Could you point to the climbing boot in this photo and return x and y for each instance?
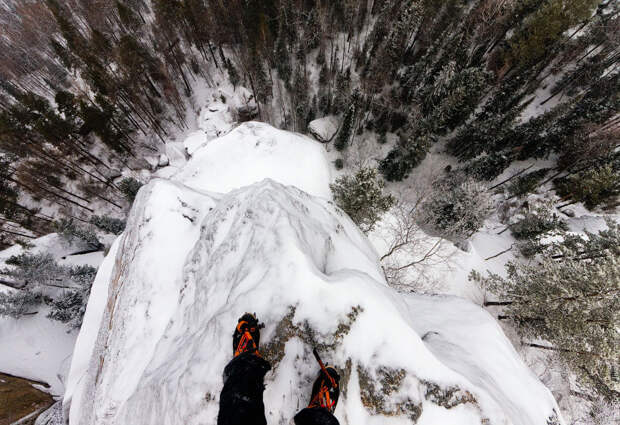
(247, 335)
(325, 391)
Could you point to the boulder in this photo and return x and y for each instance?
(324, 129)
(164, 161)
(247, 112)
(216, 119)
(245, 226)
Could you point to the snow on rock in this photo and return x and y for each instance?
(194, 141)
(175, 151)
(254, 151)
(163, 160)
(157, 331)
(52, 243)
(323, 129)
(141, 163)
(216, 119)
(52, 416)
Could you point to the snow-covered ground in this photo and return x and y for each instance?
(250, 227)
(37, 348)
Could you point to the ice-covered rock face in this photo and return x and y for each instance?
(157, 332)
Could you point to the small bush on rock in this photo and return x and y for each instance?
(130, 186)
(361, 197)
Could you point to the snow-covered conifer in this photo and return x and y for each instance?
(361, 197)
(108, 224)
(570, 298)
(19, 303)
(455, 209)
(71, 232)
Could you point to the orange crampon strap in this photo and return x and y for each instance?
(246, 338)
(322, 399)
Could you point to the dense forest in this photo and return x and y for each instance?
(84, 83)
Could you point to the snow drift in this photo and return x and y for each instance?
(157, 332)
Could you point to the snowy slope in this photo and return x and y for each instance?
(37, 348)
(203, 248)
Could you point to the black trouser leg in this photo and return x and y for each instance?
(315, 416)
(241, 400)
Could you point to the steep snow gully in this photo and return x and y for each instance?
(203, 247)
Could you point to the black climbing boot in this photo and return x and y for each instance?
(247, 335)
(326, 390)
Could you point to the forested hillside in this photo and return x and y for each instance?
(86, 84)
(516, 101)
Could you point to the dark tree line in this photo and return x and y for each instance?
(80, 75)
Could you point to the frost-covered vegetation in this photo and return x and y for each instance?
(107, 224)
(72, 232)
(492, 89)
(456, 208)
(570, 298)
(129, 187)
(38, 279)
(361, 197)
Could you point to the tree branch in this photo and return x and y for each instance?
(564, 350)
(500, 253)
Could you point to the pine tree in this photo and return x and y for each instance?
(593, 186)
(283, 61)
(537, 222)
(344, 135)
(413, 145)
(233, 75)
(71, 232)
(128, 17)
(546, 26)
(570, 297)
(525, 184)
(19, 303)
(36, 272)
(455, 209)
(361, 197)
(129, 187)
(301, 103)
(488, 167)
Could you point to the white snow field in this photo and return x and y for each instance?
(247, 225)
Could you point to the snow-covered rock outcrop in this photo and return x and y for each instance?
(323, 129)
(195, 256)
